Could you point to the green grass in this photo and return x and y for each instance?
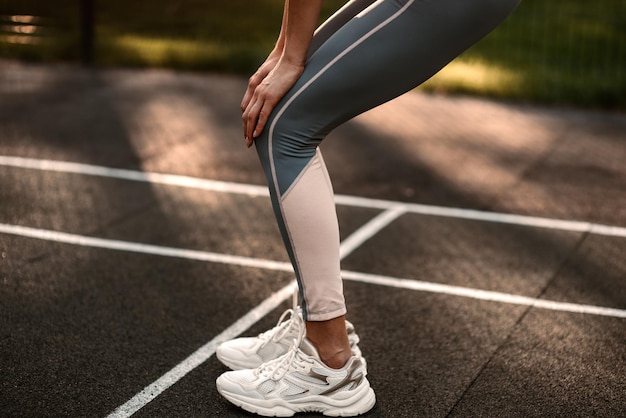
(567, 51)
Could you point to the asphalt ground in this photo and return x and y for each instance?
(484, 249)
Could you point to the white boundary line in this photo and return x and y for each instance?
(488, 295)
(391, 211)
(153, 390)
(201, 355)
(370, 229)
(283, 266)
(132, 175)
(135, 247)
(252, 190)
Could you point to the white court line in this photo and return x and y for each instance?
(160, 385)
(481, 294)
(205, 352)
(252, 190)
(282, 266)
(370, 229)
(153, 390)
(135, 247)
(132, 175)
(392, 210)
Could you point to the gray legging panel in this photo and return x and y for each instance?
(366, 54)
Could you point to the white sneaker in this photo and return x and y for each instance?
(300, 382)
(251, 352)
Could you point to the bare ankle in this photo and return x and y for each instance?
(336, 360)
(330, 339)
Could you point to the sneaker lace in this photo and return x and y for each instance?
(276, 369)
(284, 326)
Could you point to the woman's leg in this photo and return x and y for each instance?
(336, 22)
(384, 51)
(389, 48)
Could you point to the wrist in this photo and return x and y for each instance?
(293, 60)
(278, 50)
(289, 67)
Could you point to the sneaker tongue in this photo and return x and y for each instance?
(308, 348)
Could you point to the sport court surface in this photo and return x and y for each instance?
(484, 249)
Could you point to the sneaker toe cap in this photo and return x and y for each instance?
(238, 355)
(237, 384)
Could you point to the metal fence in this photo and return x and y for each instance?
(571, 45)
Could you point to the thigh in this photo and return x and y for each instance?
(390, 48)
(384, 51)
(336, 21)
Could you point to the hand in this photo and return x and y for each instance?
(259, 75)
(265, 96)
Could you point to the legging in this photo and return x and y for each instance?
(366, 54)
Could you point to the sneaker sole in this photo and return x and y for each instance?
(350, 407)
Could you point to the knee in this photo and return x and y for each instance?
(288, 138)
(284, 149)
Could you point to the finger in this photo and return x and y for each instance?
(251, 116)
(253, 83)
(246, 123)
(247, 97)
(245, 120)
(264, 113)
(243, 123)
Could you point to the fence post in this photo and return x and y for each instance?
(87, 17)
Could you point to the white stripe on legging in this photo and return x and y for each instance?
(318, 75)
(281, 111)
